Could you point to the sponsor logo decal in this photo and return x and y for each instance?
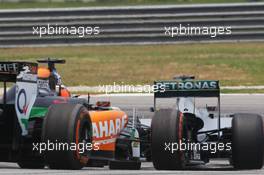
(187, 85)
(108, 128)
(43, 84)
(22, 105)
(12, 67)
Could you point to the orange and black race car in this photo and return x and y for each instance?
(41, 124)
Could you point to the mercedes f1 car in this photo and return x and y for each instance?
(190, 134)
(42, 124)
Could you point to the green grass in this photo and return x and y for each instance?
(232, 63)
(10, 5)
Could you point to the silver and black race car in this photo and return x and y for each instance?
(191, 134)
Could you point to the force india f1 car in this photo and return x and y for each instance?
(189, 134)
(41, 124)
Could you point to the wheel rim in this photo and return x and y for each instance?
(83, 137)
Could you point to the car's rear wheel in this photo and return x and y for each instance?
(166, 130)
(247, 141)
(70, 126)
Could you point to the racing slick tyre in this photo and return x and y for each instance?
(70, 126)
(124, 165)
(166, 129)
(31, 165)
(247, 141)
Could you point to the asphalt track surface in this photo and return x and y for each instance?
(216, 167)
(229, 104)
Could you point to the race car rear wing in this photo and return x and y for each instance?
(187, 88)
(10, 70)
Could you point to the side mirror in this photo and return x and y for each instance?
(151, 109)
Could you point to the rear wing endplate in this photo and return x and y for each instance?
(25, 76)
